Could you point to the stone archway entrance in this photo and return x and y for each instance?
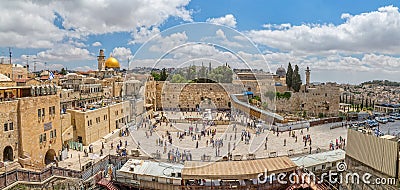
(50, 156)
(8, 154)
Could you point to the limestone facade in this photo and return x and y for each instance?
(6, 69)
(315, 100)
(91, 125)
(39, 129)
(9, 130)
(19, 72)
(189, 96)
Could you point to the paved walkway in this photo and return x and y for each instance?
(155, 142)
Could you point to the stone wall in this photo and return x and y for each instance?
(92, 125)
(6, 69)
(32, 127)
(322, 99)
(9, 114)
(188, 96)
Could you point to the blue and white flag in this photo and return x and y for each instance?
(51, 75)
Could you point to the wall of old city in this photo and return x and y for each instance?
(322, 99)
(192, 95)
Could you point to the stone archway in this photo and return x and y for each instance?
(50, 156)
(8, 154)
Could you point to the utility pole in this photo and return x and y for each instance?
(9, 51)
(27, 63)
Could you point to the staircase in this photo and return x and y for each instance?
(107, 184)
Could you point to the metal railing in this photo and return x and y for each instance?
(26, 176)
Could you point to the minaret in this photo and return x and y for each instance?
(101, 61)
(308, 76)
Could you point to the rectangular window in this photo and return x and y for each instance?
(51, 134)
(40, 138)
(43, 111)
(54, 110)
(5, 126)
(54, 133)
(44, 137)
(11, 126)
(88, 123)
(39, 112)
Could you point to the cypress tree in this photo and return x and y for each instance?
(296, 79)
(289, 76)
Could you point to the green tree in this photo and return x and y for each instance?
(163, 75)
(202, 71)
(177, 78)
(270, 95)
(289, 74)
(221, 74)
(63, 71)
(155, 75)
(296, 79)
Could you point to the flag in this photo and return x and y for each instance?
(51, 75)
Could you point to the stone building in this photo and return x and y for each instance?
(9, 130)
(94, 123)
(317, 100)
(150, 96)
(39, 126)
(31, 125)
(6, 69)
(5, 81)
(19, 72)
(313, 99)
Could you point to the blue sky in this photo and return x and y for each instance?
(337, 39)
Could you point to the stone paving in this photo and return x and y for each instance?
(321, 137)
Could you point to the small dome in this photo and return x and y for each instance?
(111, 62)
(281, 72)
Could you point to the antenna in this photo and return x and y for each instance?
(27, 63)
(9, 50)
(34, 64)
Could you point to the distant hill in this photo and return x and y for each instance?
(382, 82)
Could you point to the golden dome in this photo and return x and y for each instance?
(111, 62)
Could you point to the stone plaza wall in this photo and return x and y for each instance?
(322, 99)
(189, 96)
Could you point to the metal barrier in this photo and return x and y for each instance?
(22, 175)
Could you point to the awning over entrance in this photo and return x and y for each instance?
(247, 169)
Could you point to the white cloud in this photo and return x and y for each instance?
(122, 53)
(96, 44)
(372, 32)
(25, 24)
(30, 24)
(165, 44)
(119, 15)
(65, 52)
(227, 20)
